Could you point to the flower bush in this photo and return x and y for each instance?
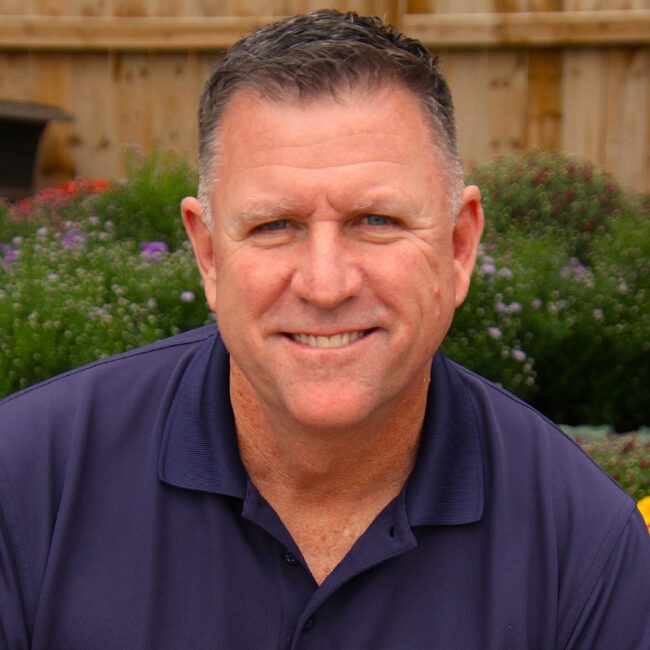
(93, 268)
(51, 206)
(71, 296)
(536, 191)
(570, 334)
(144, 206)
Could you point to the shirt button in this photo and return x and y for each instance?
(290, 558)
(309, 623)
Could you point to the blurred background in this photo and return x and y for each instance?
(562, 75)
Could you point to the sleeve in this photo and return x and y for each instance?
(616, 613)
(13, 630)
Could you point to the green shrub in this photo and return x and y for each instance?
(50, 207)
(72, 296)
(569, 334)
(145, 206)
(538, 191)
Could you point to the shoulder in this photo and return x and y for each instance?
(46, 423)
(108, 376)
(514, 433)
(81, 438)
(544, 494)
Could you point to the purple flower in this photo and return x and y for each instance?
(9, 254)
(574, 269)
(153, 250)
(187, 296)
(488, 268)
(74, 237)
(494, 332)
(518, 355)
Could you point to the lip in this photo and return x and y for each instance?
(321, 341)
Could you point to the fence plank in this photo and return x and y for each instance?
(531, 29)
(544, 102)
(575, 80)
(585, 103)
(628, 97)
(490, 90)
(470, 30)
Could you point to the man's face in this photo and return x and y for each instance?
(334, 267)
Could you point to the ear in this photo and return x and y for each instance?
(467, 236)
(201, 239)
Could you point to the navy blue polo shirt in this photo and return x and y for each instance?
(128, 521)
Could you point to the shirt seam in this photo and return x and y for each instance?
(516, 400)
(16, 544)
(166, 344)
(593, 573)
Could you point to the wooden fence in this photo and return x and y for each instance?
(559, 74)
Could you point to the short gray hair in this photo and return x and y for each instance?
(322, 53)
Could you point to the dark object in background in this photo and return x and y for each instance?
(21, 127)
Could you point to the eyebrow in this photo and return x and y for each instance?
(254, 213)
(259, 211)
(384, 205)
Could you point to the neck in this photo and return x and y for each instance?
(327, 486)
(322, 465)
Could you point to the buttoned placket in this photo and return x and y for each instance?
(389, 535)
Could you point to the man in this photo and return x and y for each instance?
(314, 474)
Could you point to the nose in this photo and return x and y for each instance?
(327, 270)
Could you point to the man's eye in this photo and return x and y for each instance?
(378, 220)
(280, 224)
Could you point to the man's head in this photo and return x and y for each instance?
(326, 53)
(336, 259)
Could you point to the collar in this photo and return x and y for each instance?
(446, 486)
(199, 445)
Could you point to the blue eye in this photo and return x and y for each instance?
(280, 224)
(377, 220)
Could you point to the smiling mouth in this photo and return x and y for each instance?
(336, 341)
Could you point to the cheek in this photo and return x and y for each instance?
(247, 282)
(419, 277)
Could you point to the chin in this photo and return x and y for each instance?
(335, 413)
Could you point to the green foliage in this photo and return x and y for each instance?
(145, 205)
(569, 334)
(5, 231)
(51, 207)
(93, 268)
(538, 191)
(70, 297)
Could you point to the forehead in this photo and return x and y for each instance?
(253, 123)
(352, 146)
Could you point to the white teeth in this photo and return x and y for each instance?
(336, 341)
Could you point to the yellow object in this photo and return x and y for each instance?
(644, 507)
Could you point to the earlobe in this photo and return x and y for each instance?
(201, 239)
(467, 236)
